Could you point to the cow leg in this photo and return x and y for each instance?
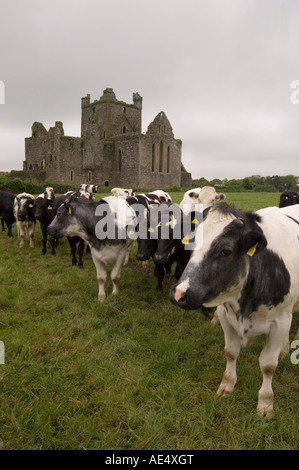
(268, 360)
(80, 252)
(127, 255)
(54, 243)
(159, 273)
(101, 275)
(232, 351)
(115, 273)
(73, 248)
(21, 233)
(45, 239)
(31, 227)
(3, 226)
(9, 227)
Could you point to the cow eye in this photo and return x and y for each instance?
(225, 252)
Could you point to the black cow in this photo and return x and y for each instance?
(45, 211)
(147, 246)
(6, 210)
(288, 198)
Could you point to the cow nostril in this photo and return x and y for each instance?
(141, 257)
(178, 295)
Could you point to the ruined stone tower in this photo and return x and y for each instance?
(112, 149)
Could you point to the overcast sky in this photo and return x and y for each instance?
(221, 70)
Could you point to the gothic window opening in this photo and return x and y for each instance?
(72, 175)
(124, 110)
(124, 130)
(161, 158)
(89, 176)
(153, 158)
(168, 159)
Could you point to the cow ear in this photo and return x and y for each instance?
(68, 206)
(253, 242)
(220, 197)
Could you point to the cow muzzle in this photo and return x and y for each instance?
(160, 259)
(142, 257)
(184, 299)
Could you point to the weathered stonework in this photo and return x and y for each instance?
(111, 150)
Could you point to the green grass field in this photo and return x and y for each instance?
(134, 372)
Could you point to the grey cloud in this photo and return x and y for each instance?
(221, 71)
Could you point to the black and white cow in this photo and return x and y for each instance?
(25, 218)
(288, 198)
(6, 210)
(103, 226)
(247, 266)
(206, 196)
(89, 188)
(122, 192)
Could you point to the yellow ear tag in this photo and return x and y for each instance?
(50, 208)
(185, 240)
(195, 221)
(151, 229)
(30, 205)
(70, 211)
(131, 232)
(287, 197)
(193, 197)
(251, 250)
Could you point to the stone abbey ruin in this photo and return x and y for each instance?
(111, 151)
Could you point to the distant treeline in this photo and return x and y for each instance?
(254, 183)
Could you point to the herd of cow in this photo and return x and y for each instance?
(244, 264)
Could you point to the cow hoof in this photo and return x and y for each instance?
(225, 388)
(101, 297)
(265, 411)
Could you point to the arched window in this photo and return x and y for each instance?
(124, 130)
(161, 158)
(119, 158)
(89, 176)
(168, 159)
(153, 158)
(72, 175)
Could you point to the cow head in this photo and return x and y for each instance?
(219, 267)
(24, 206)
(288, 198)
(65, 222)
(43, 209)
